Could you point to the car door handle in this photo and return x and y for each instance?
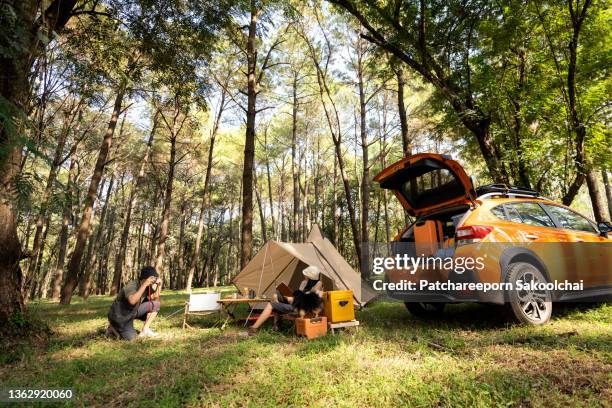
(579, 240)
(531, 236)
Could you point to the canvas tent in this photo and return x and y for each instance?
(278, 262)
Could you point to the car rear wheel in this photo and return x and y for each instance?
(425, 309)
(528, 305)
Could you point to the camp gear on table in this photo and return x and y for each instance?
(202, 304)
(278, 262)
(311, 328)
(338, 306)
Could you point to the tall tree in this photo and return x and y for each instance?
(153, 40)
(66, 221)
(368, 86)
(132, 203)
(321, 62)
(412, 33)
(174, 124)
(255, 70)
(71, 114)
(72, 274)
(20, 46)
(582, 99)
(401, 109)
(608, 188)
(204, 203)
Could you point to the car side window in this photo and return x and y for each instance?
(513, 215)
(570, 220)
(530, 214)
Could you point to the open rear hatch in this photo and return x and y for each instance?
(427, 182)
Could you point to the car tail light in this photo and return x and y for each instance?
(472, 233)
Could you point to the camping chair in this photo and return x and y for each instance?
(202, 304)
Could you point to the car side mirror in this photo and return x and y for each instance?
(604, 228)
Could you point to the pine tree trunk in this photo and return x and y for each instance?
(270, 198)
(262, 215)
(598, 206)
(294, 166)
(281, 204)
(306, 222)
(15, 89)
(336, 138)
(317, 172)
(578, 128)
(160, 251)
(42, 214)
(334, 214)
(401, 107)
(365, 178)
(154, 230)
(35, 278)
(108, 242)
(132, 203)
(230, 245)
(196, 248)
(96, 243)
(608, 188)
(43, 292)
(181, 246)
(333, 121)
(72, 276)
(66, 220)
(246, 245)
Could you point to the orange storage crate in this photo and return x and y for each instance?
(311, 328)
(338, 306)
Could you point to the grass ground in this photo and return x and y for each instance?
(470, 357)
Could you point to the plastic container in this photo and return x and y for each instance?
(311, 328)
(338, 306)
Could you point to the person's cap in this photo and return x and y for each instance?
(312, 272)
(148, 271)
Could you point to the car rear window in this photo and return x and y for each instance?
(432, 187)
(425, 183)
(524, 213)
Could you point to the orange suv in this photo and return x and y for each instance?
(530, 249)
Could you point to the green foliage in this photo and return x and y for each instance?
(507, 62)
(8, 120)
(23, 186)
(14, 36)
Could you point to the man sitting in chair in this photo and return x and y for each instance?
(308, 298)
(138, 299)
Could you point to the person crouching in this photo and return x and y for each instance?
(138, 299)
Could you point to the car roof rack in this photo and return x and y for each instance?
(492, 190)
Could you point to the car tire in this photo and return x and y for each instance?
(532, 307)
(425, 309)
